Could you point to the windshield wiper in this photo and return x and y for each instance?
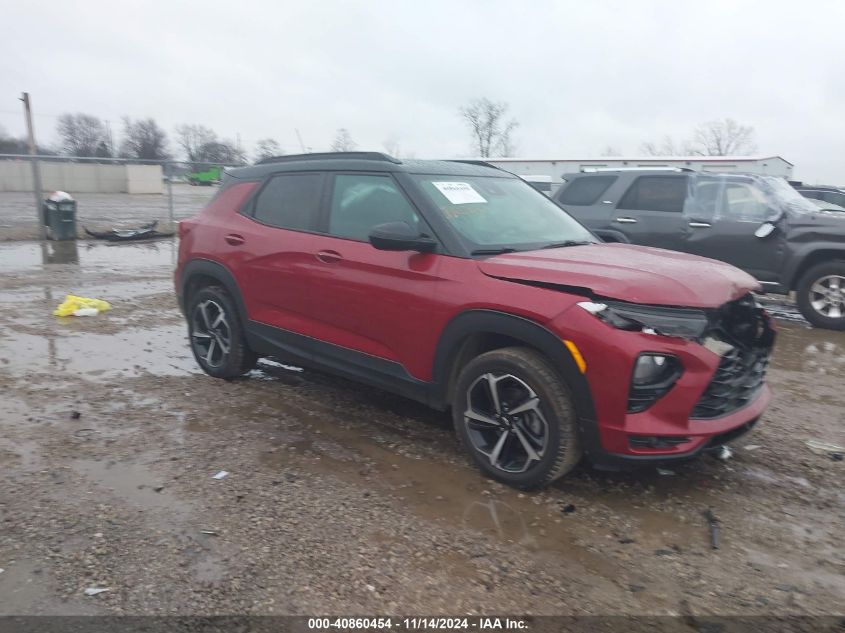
(493, 251)
(566, 243)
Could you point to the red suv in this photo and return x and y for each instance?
(457, 284)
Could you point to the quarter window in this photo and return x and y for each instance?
(586, 190)
(290, 201)
(656, 193)
(362, 201)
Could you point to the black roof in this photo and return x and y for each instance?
(365, 161)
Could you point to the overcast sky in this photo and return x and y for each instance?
(579, 76)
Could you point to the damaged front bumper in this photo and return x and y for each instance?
(717, 393)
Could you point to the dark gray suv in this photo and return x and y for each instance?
(757, 223)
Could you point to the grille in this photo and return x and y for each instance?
(745, 328)
(737, 380)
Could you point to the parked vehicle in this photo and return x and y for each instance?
(822, 193)
(541, 183)
(757, 223)
(206, 177)
(462, 287)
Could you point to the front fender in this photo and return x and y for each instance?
(532, 334)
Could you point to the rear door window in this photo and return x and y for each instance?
(290, 201)
(656, 193)
(586, 190)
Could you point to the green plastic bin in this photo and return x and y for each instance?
(60, 218)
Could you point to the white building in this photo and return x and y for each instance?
(541, 169)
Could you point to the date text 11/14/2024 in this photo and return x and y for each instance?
(416, 623)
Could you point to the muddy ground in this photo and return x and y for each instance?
(342, 499)
(102, 211)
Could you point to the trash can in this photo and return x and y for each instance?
(60, 216)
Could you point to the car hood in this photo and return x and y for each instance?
(823, 219)
(636, 274)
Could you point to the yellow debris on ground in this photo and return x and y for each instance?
(81, 306)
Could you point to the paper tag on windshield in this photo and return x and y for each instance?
(459, 192)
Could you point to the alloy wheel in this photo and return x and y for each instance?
(827, 296)
(210, 333)
(504, 422)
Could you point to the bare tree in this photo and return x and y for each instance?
(267, 148)
(713, 138)
(84, 135)
(192, 138)
(491, 134)
(343, 141)
(392, 146)
(11, 145)
(667, 147)
(609, 150)
(723, 138)
(143, 139)
(222, 152)
(201, 145)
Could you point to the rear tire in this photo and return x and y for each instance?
(216, 334)
(526, 435)
(821, 295)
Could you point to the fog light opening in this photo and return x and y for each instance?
(652, 378)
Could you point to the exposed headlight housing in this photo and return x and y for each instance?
(688, 323)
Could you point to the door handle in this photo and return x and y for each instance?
(329, 257)
(233, 239)
(626, 220)
(700, 225)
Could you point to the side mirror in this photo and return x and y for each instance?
(765, 229)
(399, 236)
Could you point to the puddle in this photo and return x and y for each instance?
(809, 350)
(458, 495)
(25, 589)
(24, 256)
(134, 484)
(161, 351)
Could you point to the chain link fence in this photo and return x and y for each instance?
(110, 192)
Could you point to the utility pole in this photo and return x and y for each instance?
(36, 170)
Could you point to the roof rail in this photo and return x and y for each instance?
(655, 168)
(477, 163)
(329, 155)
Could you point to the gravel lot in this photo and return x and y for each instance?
(342, 499)
(101, 211)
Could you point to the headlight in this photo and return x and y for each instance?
(687, 323)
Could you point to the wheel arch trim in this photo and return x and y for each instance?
(474, 322)
(816, 253)
(216, 270)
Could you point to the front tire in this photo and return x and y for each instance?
(217, 337)
(821, 295)
(515, 416)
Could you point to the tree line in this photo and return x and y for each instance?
(491, 133)
(88, 136)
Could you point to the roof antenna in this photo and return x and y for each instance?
(299, 136)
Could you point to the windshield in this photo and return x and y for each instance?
(502, 213)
